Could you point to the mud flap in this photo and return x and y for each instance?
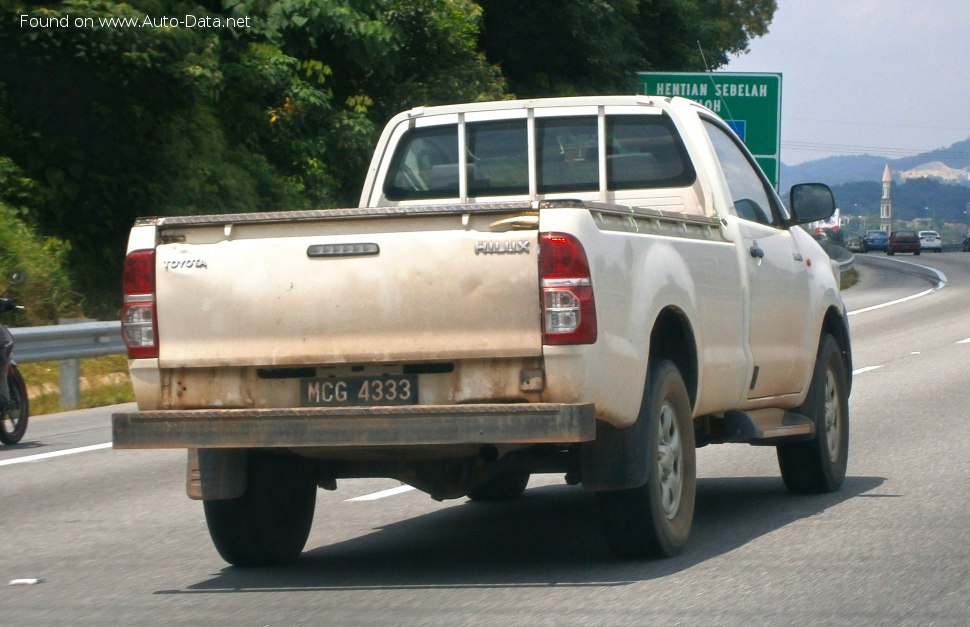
(616, 459)
(216, 474)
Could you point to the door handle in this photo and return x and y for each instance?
(756, 252)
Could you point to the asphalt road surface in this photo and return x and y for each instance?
(96, 536)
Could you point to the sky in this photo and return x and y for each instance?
(880, 77)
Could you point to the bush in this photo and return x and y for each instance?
(47, 292)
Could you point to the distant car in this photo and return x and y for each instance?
(903, 242)
(930, 240)
(854, 245)
(875, 240)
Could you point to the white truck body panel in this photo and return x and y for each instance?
(262, 299)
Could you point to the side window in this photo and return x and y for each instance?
(568, 154)
(425, 165)
(644, 151)
(751, 200)
(498, 158)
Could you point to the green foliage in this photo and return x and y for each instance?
(46, 293)
(105, 123)
(566, 47)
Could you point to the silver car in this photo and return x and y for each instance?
(930, 240)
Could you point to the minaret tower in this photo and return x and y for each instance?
(886, 204)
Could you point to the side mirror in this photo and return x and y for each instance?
(811, 202)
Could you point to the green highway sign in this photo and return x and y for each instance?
(749, 102)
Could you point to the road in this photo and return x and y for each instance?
(108, 537)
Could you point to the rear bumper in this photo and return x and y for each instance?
(416, 425)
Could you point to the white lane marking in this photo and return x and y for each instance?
(890, 303)
(866, 369)
(41, 456)
(966, 341)
(383, 493)
(941, 282)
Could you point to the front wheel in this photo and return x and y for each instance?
(819, 465)
(269, 524)
(654, 520)
(13, 417)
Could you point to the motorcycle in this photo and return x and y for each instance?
(14, 405)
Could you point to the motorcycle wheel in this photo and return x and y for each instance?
(13, 419)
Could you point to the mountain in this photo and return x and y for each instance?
(949, 165)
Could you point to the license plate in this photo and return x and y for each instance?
(397, 389)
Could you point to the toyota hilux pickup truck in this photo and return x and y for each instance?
(593, 287)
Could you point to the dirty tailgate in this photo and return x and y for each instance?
(346, 291)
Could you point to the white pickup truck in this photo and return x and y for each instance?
(587, 286)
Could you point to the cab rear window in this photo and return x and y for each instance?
(641, 151)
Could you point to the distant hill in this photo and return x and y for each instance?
(949, 165)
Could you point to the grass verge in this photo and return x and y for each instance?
(104, 381)
(849, 279)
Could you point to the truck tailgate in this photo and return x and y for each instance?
(408, 288)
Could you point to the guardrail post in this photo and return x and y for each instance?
(69, 376)
(70, 372)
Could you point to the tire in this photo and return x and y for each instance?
(270, 523)
(890, 253)
(506, 487)
(13, 421)
(819, 465)
(654, 520)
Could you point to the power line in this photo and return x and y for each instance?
(878, 150)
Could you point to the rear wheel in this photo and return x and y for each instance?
(506, 487)
(13, 418)
(654, 520)
(269, 524)
(819, 465)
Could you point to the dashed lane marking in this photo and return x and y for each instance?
(43, 456)
(383, 493)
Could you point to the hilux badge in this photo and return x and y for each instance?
(520, 247)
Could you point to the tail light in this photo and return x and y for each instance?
(568, 308)
(139, 324)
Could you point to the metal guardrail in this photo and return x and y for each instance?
(67, 343)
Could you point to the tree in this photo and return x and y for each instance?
(113, 120)
(564, 47)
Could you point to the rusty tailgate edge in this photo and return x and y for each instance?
(355, 426)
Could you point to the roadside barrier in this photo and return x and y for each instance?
(67, 343)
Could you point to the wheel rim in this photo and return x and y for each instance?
(670, 461)
(12, 415)
(11, 421)
(833, 416)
